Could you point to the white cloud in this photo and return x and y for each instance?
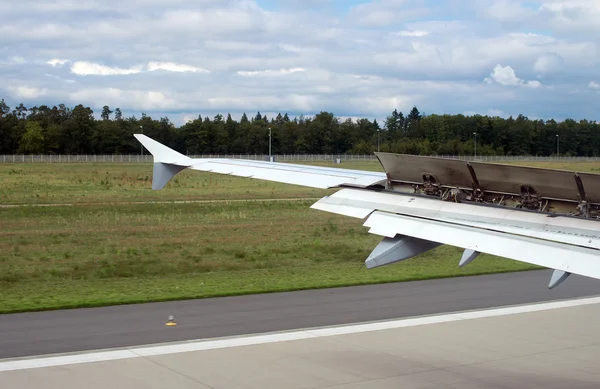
(173, 67)
(507, 10)
(27, 92)
(548, 63)
(269, 72)
(84, 68)
(18, 60)
(565, 16)
(188, 117)
(594, 85)
(413, 33)
(210, 56)
(136, 99)
(57, 61)
(572, 14)
(505, 76)
(55, 77)
(13, 60)
(385, 12)
(489, 112)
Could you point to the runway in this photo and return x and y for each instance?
(547, 345)
(28, 334)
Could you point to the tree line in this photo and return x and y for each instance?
(64, 130)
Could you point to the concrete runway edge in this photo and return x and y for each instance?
(52, 332)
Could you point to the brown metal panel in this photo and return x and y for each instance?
(558, 184)
(548, 183)
(410, 168)
(591, 184)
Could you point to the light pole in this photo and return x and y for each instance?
(141, 146)
(557, 145)
(270, 160)
(378, 140)
(475, 142)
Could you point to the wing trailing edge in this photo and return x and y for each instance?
(560, 256)
(565, 243)
(548, 227)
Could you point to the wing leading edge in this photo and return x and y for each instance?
(413, 224)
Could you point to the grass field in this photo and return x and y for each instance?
(98, 243)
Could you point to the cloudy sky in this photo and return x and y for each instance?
(353, 58)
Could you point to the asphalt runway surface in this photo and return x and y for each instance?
(38, 333)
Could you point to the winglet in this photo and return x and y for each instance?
(167, 162)
(161, 152)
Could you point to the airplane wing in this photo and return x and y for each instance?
(168, 162)
(545, 217)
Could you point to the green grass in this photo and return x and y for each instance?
(104, 250)
(66, 257)
(61, 183)
(107, 182)
(56, 294)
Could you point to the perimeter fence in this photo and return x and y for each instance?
(336, 158)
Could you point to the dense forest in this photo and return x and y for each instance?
(63, 130)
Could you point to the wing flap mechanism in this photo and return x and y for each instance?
(558, 276)
(536, 189)
(398, 248)
(548, 227)
(468, 257)
(568, 244)
(563, 257)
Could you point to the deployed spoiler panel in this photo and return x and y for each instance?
(537, 189)
(553, 184)
(413, 169)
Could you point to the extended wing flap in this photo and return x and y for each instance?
(563, 229)
(568, 258)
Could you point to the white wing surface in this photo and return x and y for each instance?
(535, 216)
(168, 162)
(311, 176)
(566, 244)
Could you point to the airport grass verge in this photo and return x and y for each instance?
(108, 247)
(65, 294)
(94, 255)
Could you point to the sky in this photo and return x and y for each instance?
(354, 58)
